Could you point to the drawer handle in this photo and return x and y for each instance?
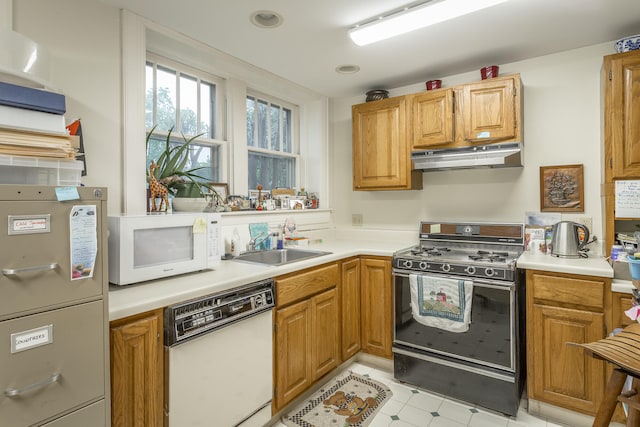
(17, 392)
(14, 271)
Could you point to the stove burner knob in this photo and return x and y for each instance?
(446, 268)
(406, 263)
(489, 272)
(423, 265)
(470, 270)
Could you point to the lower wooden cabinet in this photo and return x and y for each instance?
(306, 332)
(565, 308)
(350, 307)
(137, 369)
(376, 306)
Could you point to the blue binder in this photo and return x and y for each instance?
(32, 99)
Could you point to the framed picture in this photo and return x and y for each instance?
(265, 194)
(222, 188)
(562, 188)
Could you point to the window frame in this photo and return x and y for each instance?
(295, 133)
(218, 117)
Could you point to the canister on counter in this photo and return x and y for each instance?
(616, 250)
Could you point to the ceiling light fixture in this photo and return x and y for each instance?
(266, 19)
(414, 17)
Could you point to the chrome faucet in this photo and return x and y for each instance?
(256, 240)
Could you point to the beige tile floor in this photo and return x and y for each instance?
(410, 407)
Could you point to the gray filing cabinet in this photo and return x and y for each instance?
(54, 358)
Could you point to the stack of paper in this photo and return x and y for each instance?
(32, 123)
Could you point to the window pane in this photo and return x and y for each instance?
(263, 125)
(148, 107)
(200, 156)
(188, 105)
(207, 94)
(275, 127)
(287, 145)
(270, 171)
(251, 122)
(166, 93)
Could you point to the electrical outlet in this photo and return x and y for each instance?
(356, 220)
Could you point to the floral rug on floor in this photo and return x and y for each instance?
(348, 400)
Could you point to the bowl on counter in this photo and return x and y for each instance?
(188, 204)
(627, 44)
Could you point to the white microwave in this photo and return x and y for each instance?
(147, 247)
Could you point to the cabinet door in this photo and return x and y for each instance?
(432, 118)
(350, 285)
(376, 306)
(137, 371)
(622, 114)
(381, 156)
(562, 374)
(293, 352)
(325, 354)
(489, 110)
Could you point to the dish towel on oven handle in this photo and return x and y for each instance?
(441, 302)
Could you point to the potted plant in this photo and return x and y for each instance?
(170, 172)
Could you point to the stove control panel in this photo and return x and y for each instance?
(480, 271)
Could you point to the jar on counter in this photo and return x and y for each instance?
(616, 251)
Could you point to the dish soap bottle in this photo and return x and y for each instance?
(235, 243)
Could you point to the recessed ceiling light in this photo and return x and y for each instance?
(347, 69)
(266, 19)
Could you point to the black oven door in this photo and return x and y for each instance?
(490, 339)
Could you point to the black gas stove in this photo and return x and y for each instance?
(483, 250)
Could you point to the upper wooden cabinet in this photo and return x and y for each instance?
(622, 115)
(381, 148)
(491, 110)
(432, 118)
(484, 112)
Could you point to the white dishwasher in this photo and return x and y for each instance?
(219, 358)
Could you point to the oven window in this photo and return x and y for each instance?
(156, 246)
(488, 340)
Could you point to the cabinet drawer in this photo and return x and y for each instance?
(75, 350)
(36, 270)
(303, 285)
(576, 290)
(92, 415)
(620, 302)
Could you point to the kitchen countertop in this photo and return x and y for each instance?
(591, 266)
(133, 299)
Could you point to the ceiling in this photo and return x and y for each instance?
(312, 40)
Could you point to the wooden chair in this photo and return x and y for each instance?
(623, 351)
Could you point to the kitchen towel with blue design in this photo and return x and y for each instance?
(441, 302)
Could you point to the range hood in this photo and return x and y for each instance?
(481, 156)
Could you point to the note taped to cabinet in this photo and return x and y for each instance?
(627, 204)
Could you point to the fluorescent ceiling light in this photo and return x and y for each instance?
(413, 18)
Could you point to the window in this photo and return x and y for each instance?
(183, 101)
(271, 143)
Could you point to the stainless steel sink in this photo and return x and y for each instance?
(279, 256)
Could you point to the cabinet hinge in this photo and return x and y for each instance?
(610, 163)
(275, 328)
(275, 391)
(610, 75)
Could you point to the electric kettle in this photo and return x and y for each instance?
(565, 240)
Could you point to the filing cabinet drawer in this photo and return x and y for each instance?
(35, 270)
(51, 362)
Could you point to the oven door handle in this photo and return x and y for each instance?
(476, 282)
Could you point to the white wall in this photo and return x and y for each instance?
(83, 39)
(562, 125)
